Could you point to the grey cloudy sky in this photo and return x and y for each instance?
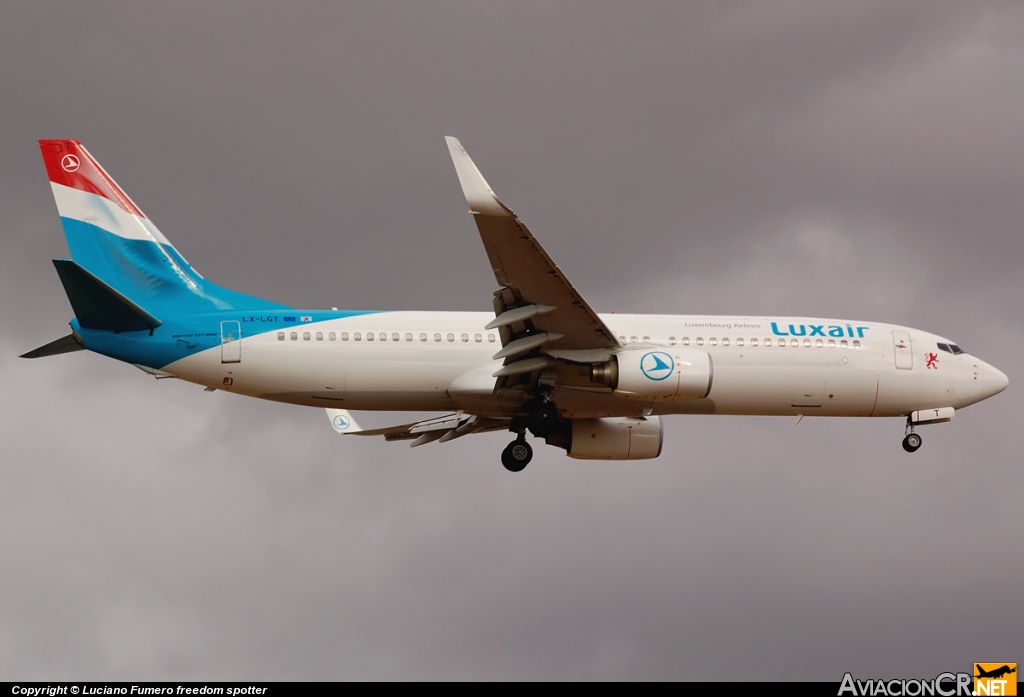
(859, 160)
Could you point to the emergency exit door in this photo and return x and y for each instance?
(230, 342)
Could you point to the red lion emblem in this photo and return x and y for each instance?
(932, 361)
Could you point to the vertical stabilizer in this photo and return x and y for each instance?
(111, 238)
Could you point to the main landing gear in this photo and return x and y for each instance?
(543, 417)
(517, 455)
(542, 420)
(912, 441)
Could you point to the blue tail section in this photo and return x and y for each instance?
(112, 239)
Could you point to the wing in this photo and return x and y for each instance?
(538, 311)
(442, 428)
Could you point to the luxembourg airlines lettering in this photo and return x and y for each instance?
(819, 330)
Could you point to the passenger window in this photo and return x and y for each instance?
(490, 338)
(739, 342)
(369, 336)
(408, 336)
(686, 341)
(383, 336)
(451, 337)
(700, 341)
(671, 341)
(332, 336)
(753, 342)
(856, 344)
(725, 341)
(357, 336)
(647, 339)
(395, 337)
(295, 336)
(622, 339)
(632, 340)
(437, 336)
(465, 338)
(831, 343)
(819, 343)
(319, 336)
(807, 343)
(767, 342)
(280, 336)
(305, 336)
(843, 344)
(713, 341)
(423, 336)
(478, 338)
(794, 342)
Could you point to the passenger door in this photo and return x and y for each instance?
(230, 341)
(903, 349)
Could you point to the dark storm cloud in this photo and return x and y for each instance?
(860, 160)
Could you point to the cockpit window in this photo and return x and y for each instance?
(956, 349)
(946, 348)
(951, 348)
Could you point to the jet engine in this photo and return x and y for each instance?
(665, 374)
(614, 438)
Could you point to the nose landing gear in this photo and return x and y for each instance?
(912, 441)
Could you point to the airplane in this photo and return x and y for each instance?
(994, 673)
(544, 362)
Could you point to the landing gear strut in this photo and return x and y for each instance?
(517, 455)
(912, 441)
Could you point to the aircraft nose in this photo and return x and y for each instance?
(993, 381)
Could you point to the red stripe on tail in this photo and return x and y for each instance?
(69, 163)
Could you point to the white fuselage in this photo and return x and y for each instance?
(433, 361)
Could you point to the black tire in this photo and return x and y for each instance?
(912, 442)
(516, 455)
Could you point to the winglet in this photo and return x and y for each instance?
(342, 422)
(478, 193)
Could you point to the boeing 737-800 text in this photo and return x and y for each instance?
(544, 362)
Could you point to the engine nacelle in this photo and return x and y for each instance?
(617, 438)
(657, 374)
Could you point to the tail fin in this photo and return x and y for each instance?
(111, 239)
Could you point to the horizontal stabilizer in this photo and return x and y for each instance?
(97, 305)
(65, 344)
